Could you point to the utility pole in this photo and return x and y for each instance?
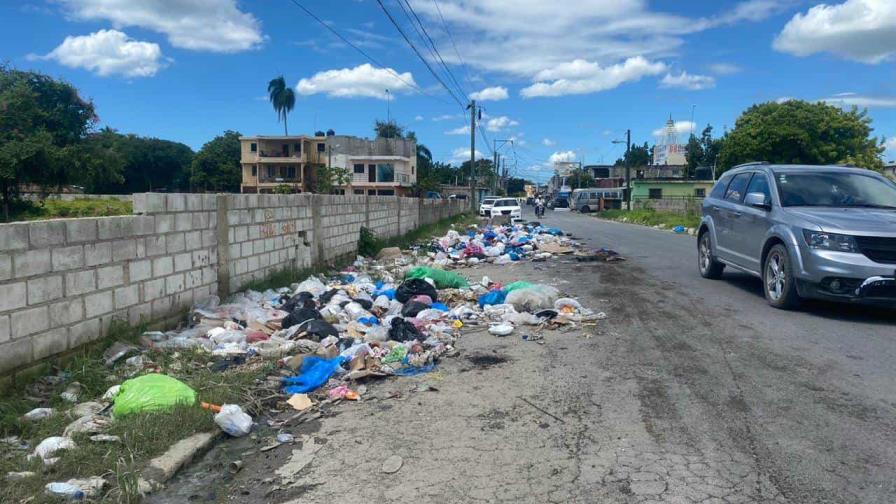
(628, 174)
(472, 181)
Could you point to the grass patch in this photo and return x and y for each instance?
(143, 436)
(82, 207)
(647, 217)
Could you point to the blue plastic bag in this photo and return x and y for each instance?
(414, 371)
(555, 231)
(389, 293)
(371, 321)
(490, 235)
(315, 371)
(492, 298)
(440, 307)
(678, 229)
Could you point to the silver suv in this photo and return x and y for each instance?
(824, 232)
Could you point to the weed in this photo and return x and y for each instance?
(82, 207)
(650, 217)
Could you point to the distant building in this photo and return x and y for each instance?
(384, 167)
(890, 171)
(670, 188)
(668, 151)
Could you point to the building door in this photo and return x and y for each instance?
(371, 173)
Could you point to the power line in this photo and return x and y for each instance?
(417, 52)
(364, 53)
(434, 51)
(451, 38)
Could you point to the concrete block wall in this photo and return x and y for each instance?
(62, 282)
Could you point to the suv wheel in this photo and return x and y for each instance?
(777, 279)
(585, 209)
(709, 267)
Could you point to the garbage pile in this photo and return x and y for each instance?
(500, 245)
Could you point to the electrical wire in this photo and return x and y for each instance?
(433, 50)
(364, 53)
(453, 43)
(417, 52)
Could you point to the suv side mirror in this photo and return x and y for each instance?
(758, 200)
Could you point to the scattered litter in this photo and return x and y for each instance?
(151, 392)
(76, 489)
(233, 420)
(38, 414)
(49, 446)
(72, 392)
(105, 438)
(20, 475)
(501, 329)
(299, 402)
(392, 464)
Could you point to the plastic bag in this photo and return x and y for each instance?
(501, 329)
(567, 305)
(48, 447)
(443, 279)
(402, 330)
(315, 371)
(312, 285)
(515, 286)
(504, 259)
(412, 308)
(233, 420)
(415, 287)
(319, 329)
(151, 392)
(494, 297)
(299, 315)
(534, 298)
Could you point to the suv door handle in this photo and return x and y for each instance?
(734, 213)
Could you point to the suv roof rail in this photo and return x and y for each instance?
(751, 163)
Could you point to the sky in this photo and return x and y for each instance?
(562, 83)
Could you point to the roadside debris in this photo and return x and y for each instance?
(392, 464)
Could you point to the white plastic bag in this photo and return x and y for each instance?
(48, 447)
(570, 304)
(312, 285)
(233, 420)
(501, 329)
(536, 297)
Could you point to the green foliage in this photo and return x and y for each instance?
(283, 98)
(799, 132)
(388, 129)
(580, 178)
(638, 155)
(81, 207)
(329, 178)
(650, 217)
(518, 186)
(283, 189)
(703, 151)
(41, 120)
(368, 243)
(217, 164)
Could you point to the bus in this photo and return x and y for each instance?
(588, 200)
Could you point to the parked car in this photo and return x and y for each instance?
(559, 205)
(507, 206)
(825, 232)
(457, 197)
(485, 206)
(433, 195)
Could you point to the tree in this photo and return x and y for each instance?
(710, 146)
(799, 132)
(41, 121)
(283, 98)
(694, 155)
(329, 178)
(637, 156)
(98, 163)
(580, 178)
(217, 164)
(388, 129)
(517, 186)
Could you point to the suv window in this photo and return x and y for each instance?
(759, 183)
(735, 192)
(506, 203)
(718, 192)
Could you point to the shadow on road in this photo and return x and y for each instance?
(880, 315)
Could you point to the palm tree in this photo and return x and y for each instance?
(283, 98)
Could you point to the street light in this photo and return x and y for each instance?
(628, 175)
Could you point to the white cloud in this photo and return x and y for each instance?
(499, 123)
(688, 81)
(362, 81)
(462, 154)
(547, 142)
(890, 144)
(496, 93)
(583, 77)
(853, 99)
(602, 31)
(463, 130)
(562, 157)
(861, 30)
(681, 128)
(207, 25)
(418, 118)
(724, 68)
(784, 99)
(446, 117)
(108, 52)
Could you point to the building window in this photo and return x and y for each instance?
(270, 172)
(253, 147)
(254, 170)
(297, 148)
(386, 192)
(371, 192)
(359, 191)
(359, 168)
(412, 169)
(700, 192)
(655, 193)
(321, 147)
(291, 172)
(283, 172)
(385, 172)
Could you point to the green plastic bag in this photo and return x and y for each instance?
(152, 392)
(516, 286)
(443, 279)
(396, 355)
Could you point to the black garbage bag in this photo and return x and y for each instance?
(327, 296)
(318, 329)
(412, 308)
(547, 314)
(301, 299)
(415, 287)
(300, 315)
(365, 303)
(402, 330)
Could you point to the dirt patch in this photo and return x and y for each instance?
(484, 361)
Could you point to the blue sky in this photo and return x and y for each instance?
(562, 82)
